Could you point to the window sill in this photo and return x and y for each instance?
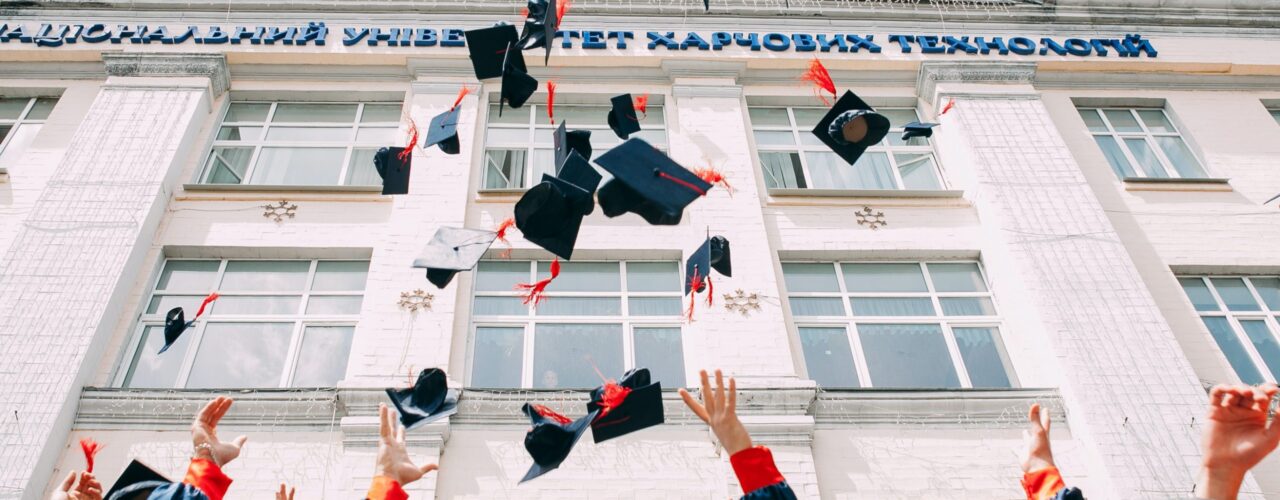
(1147, 184)
(499, 195)
(263, 188)
(912, 197)
(934, 407)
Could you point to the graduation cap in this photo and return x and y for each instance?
(540, 26)
(550, 214)
(551, 438)
(488, 48)
(175, 323)
(917, 129)
(393, 167)
(136, 482)
(850, 127)
(517, 85)
(429, 399)
(630, 405)
(443, 131)
(648, 183)
(567, 141)
(451, 250)
(622, 118)
(713, 254)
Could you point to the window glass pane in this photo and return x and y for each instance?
(584, 276)
(566, 356)
(361, 170)
(898, 116)
(228, 165)
(506, 136)
(41, 109)
(1265, 343)
(659, 350)
(309, 134)
(377, 135)
(1183, 161)
(190, 275)
(654, 306)
(917, 171)
(322, 359)
(1269, 290)
(241, 355)
(580, 306)
(775, 138)
(18, 142)
(504, 168)
(967, 306)
(314, 113)
(1145, 157)
(653, 277)
(247, 112)
(501, 276)
(957, 277)
(1122, 120)
(323, 304)
(896, 306)
(299, 166)
(1234, 294)
(810, 277)
(258, 304)
(654, 117)
(161, 304)
(340, 276)
(1231, 347)
(262, 276)
(914, 356)
(828, 357)
(769, 117)
(1119, 163)
(1275, 113)
(1092, 120)
(4, 131)
(782, 170)
(151, 370)
(578, 116)
(1156, 121)
(498, 357)
(812, 306)
(883, 278)
(381, 113)
(656, 137)
(1199, 294)
(829, 171)
(239, 133)
(500, 306)
(983, 357)
(544, 162)
(806, 118)
(520, 116)
(11, 108)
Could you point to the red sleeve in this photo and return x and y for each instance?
(1042, 484)
(385, 488)
(208, 478)
(755, 468)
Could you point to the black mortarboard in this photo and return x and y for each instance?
(850, 127)
(444, 131)
(550, 214)
(917, 129)
(639, 409)
(451, 250)
(136, 482)
(571, 140)
(488, 48)
(622, 118)
(713, 254)
(517, 85)
(429, 399)
(394, 170)
(540, 26)
(551, 439)
(174, 324)
(648, 183)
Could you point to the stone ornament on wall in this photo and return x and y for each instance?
(872, 218)
(279, 211)
(415, 300)
(742, 302)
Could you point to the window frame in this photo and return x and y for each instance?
(947, 324)
(800, 148)
(23, 119)
(528, 322)
(206, 170)
(1170, 170)
(1271, 317)
(300, 320)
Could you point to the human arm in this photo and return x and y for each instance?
(1236, 437)
(210, 453)
(394, 468)
(1040, 477)
(754, 466)
(78, 486)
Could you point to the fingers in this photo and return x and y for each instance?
(1216, 394)
(708, 397)
(1229, 398)
(280, 495)
(732, 407)
(239, 441)
(399, 433)
(1033, 416)
(694, 406)
(428, 468)
(385, 425)
(68, 482)
(206, 414)
(291, 492)
(1045, 420)
(719, 391)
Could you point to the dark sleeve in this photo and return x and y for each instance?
(756, 470)
(208, 478)
(776, 491)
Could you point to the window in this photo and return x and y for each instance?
(278, 323)
(607, 315)
(1243, 316)
(519, 145)
(1275, 113)
(792, 157)
(301, 144)
(900, 325)
(1141, 143)
(20, 121)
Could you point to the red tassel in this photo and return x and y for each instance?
(817, 73)
(90, 448)
(951, 103)
(413, 141)
(711, 291)
(502, 235)
(551, 101)
(695, 283)
(551, 414)
(642, 105)
(713, 176)
(536, 292)
(562, 7)
(612, 397)
(524, 12)
(461, 93)
(212, 297)
(682, 182)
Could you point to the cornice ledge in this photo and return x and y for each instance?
(963, 408)
(135, 64)
(726, 91)
(694, 68)
(934, 72)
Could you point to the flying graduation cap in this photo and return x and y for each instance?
(550, 214)
(540, 26)
(850, 127)
(622, 118)
(566, 141)
(647, 183)
(175, 323)
(488, 48)
(141, 482)
(394, 168)
(713, 254)
(917, 129)
(429, 399)
(451, 250)
(443, 131)
(551, 438)
(627, 406)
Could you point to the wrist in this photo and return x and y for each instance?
(205, 451)
(1219, 483)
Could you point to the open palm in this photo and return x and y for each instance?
(1237, 436)
(204, 431)
(393, 458)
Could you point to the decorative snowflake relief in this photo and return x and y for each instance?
(869, 217)
(278, 211)
(742, 302)
(415, 300)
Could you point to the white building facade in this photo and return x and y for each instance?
(1088, 228)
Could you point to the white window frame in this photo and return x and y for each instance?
(1146, 135)
(849, 322)
(300, 320)
(531, 319)
(800, 148)
(206, 170)
(1266, 314)
(23, 119)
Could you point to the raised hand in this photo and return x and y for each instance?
(78, 486)
(280, 495)
(1236, 437)
(720, 412)
(1036, 437)
(393, 458)
(204, 433)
